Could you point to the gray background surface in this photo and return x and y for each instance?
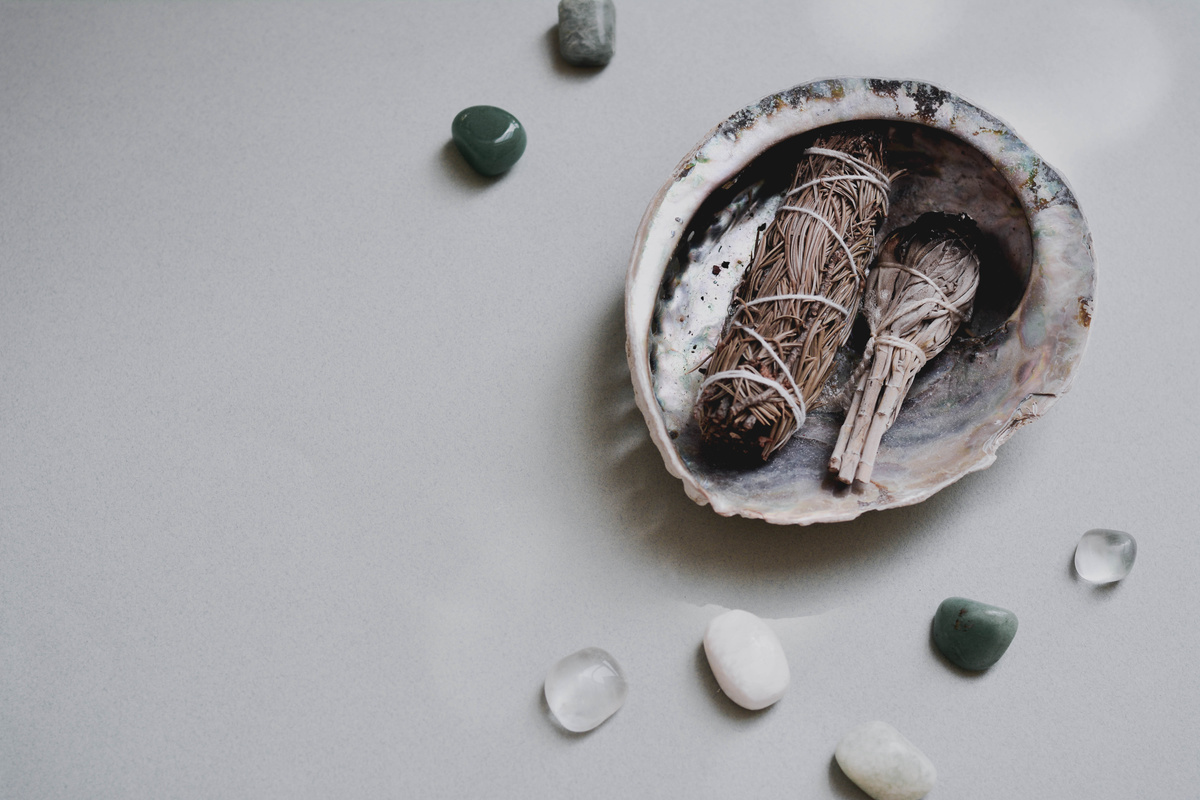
(317, 450)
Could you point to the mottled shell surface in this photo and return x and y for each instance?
(1004, 370)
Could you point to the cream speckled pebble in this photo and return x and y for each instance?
(884, 764)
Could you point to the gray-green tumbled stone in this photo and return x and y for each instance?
(587, 32)
(489, 138)
(971, 634)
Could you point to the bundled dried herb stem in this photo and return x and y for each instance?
(797, 302)
(919, 292)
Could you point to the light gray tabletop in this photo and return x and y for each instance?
(317, 450)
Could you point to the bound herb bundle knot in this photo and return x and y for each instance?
(798, 299)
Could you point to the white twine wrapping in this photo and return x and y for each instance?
(940, 300)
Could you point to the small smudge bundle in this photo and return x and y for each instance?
(920, 290)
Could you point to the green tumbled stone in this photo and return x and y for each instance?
(489, 138)
(587, 32)
(973, 635)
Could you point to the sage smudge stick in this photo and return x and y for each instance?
(920, 290)
(797, 301)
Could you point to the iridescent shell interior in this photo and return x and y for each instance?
(1002, 370)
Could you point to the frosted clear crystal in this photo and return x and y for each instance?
(1104, 556)
(585, 688)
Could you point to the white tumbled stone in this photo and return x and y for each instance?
(884, 764)
(747, 659)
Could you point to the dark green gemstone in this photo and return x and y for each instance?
(489, 138)
(973, 635)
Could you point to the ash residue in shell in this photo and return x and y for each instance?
(936, 226)
(744, 204)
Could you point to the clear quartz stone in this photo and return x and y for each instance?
(585, 688)
(1104, 556)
